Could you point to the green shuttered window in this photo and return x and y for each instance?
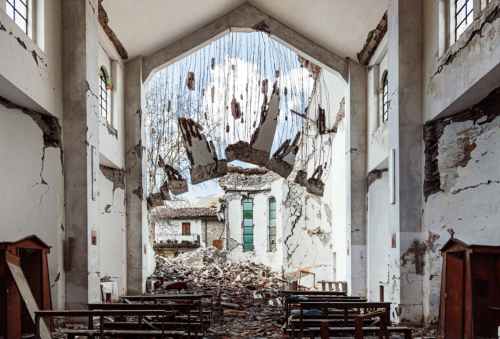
(248, 224)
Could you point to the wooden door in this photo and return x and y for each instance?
(217, 244)
(454, 297)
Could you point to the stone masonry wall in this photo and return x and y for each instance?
(215, 231)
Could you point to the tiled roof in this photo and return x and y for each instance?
(184, 213)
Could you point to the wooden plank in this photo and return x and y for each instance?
(27, 296)
(85, 313)
(454, 297)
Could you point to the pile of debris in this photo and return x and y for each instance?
(246, 295)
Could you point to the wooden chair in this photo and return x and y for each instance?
(358, 324)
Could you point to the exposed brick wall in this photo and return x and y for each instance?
(103, 20)
(482, 113)
(372, 41)
(215, 231)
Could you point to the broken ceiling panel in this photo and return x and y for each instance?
(176, 184)
(283, 159)
(314, 184)
(202, 155)
(257, 152)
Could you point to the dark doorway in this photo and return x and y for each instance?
(32, 266)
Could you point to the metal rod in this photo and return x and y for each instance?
(302, 115)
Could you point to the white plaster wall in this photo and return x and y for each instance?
(379, 238)
(41, 80)
(338, 204)
(473, 71)
(468, 204)
(261, 253)
(32, 192)
(112, 232)
(174, 226)
(111, 147)
(377, 130)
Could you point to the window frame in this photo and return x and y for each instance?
(246, 227)
(457, 11)
(103, 92)
(12, 3)
(270, 243)
(385, 97)
(186, 228)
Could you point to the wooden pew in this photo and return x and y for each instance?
(288, 303)
(313, 331)
(169, 309)
(172, 297)
(101, 314)
(345, 306)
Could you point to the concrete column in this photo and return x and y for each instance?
(356, 134)
(80, 142)
(373, 96)
(405, 137)
(135, 169)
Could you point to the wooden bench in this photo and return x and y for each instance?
(173, 297)
(313, 331)
(295, 324)
(101, 314)
(290, 302)
(170, 310)
(345, 306)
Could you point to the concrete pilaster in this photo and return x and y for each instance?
(405, 137)
(135, 169)
(356, 132)
(80, 140)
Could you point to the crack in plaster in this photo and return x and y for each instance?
(494, 15)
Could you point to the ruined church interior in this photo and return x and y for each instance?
(249, 169)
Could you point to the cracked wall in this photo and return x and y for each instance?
(468, 195)
(33, 193)
(113, 244)
(259, 187)
(468, 69)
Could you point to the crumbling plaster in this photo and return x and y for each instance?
(36, 72)
(468, 70)
(113, 244)
(468, 200)
(33, 196)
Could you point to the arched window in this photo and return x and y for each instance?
(104, 94)
(248, 224)
(385, 96)
(272, 224)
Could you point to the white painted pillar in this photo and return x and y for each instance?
(135, 176)
(356, 137)
(81, 149)
(405, 137)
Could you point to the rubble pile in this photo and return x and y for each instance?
(249, 293)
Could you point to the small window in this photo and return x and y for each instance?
(248, 224)
(385, 96)
(186, 228)
(18, 11)
(104, 94)
(464, 15)
(272, 225)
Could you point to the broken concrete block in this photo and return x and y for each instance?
(301, 178)
(263, 137)
(165, 195)
(244, 152)
(202, 154)
(314, 184)
(235, 109)
(178, 186)
(190, 81)
(155, 200)
(279, 167)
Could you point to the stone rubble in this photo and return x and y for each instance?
(249, 291)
